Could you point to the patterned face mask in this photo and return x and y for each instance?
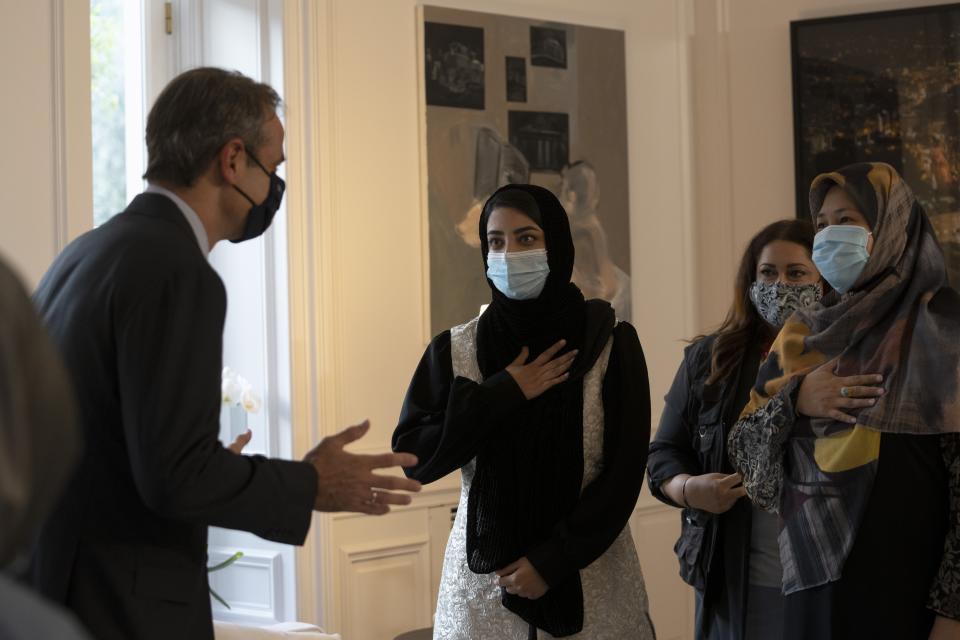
(776, 301)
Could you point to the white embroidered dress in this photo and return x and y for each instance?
(615, 603)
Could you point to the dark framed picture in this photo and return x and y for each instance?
(543, 138)
(548, 47)
(454, 65)
(516, 79)
(883, 87)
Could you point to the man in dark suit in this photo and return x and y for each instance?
(137, 313)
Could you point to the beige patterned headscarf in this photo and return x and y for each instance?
(39, 438)
(901, 320)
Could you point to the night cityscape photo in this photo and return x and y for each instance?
(884, 87)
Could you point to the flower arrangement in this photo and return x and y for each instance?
(237, 394)
(235, 391)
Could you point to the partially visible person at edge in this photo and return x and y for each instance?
(727, 547)
(39, 446)
(137, 313)
(851, 430)
(542, 402)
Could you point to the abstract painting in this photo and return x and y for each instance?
(539, 123)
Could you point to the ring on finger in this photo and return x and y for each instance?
(845, 392)
(373, 497)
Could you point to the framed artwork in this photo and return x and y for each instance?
(883, 87)
(454, 66)
(514, 100)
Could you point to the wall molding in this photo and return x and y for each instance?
(72, 138)
(414, 549)
(714, 235)
(262, 566)
(59, 131)
(685, 21)
(314, 285)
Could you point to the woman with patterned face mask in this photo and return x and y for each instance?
(851, 430)
(728, 548)
(542, 403)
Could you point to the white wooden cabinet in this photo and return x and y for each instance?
(388, 568)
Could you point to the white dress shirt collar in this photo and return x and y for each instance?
(192, 218)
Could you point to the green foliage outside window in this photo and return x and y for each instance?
(107, 108)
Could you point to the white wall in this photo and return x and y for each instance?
(44, 166)
(744, 127)
(28, 236)
(357, 268)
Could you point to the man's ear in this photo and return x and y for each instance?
(229, 158)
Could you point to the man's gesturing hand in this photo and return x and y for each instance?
(346, 482)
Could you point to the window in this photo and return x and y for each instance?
(116, 104)
(137, 47)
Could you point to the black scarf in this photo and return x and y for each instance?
(529, 472)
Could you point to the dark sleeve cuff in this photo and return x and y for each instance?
(295, 510)
(665, 471)
(549, 562)
(502, 392)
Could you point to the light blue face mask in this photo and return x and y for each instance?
(840, 253)
(520, 275)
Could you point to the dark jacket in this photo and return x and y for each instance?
(713, 551)
(137, 313)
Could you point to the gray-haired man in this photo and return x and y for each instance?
(138, 314)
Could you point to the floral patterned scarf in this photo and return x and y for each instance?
(900, 319)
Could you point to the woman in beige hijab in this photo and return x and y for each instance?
(39, 443)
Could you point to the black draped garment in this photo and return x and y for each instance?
(525, 498)
(446, 420)
(137, 312)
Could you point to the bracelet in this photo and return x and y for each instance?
(683, 492)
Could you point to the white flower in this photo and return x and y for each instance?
(230, 391)
(237, 391)
(250, 401)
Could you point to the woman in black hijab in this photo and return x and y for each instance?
(543, 403)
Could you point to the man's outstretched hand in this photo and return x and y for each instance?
(346, 481)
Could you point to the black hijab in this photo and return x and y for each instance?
(529, 471)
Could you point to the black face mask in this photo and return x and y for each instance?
(261, 215)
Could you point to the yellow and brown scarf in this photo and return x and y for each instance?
(902, 320)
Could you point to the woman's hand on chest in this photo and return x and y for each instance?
(544, 372)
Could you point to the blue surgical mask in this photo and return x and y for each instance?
(840, 253)
(520, 275)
